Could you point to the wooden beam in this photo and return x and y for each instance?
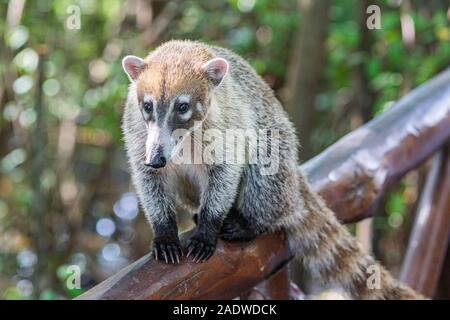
(429, 238)
(242, 264)
(277, 287)
(351, 175)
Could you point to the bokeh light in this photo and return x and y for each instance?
(26, 258)
(127, 207)
(105, 227)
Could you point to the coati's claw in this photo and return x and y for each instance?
(166, 252)
(206, 255)
(165, 255)
(200, 249)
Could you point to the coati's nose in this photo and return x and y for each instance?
(157, 159)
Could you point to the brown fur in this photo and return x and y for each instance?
(168, 73)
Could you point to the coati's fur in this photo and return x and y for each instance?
(236, 201)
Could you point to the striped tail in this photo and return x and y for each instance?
(334, 258)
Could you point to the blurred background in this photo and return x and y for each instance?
(65, 193)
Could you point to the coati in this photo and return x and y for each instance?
(191, 86)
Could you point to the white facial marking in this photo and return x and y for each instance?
(153, 132)
(186, 116)
(184, 98)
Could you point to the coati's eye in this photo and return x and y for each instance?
(148, 106)
(182, 107)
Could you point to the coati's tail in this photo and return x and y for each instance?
(334, 257)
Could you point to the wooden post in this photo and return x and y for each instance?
(429, 238)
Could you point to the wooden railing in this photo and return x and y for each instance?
(352, 175)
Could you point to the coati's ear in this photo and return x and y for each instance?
(216, 70)
(132, 66)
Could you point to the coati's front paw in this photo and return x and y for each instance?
(201, 247)
(167, 250)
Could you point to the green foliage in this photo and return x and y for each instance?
(83, 90)
(261, 32)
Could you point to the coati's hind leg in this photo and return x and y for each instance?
(266, 198)
(235, 227)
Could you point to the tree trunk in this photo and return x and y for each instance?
(307, 61)
(303, 80)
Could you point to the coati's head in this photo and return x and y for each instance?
(173, 88)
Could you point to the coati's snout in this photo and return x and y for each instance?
(172, 96)
(156, 158)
